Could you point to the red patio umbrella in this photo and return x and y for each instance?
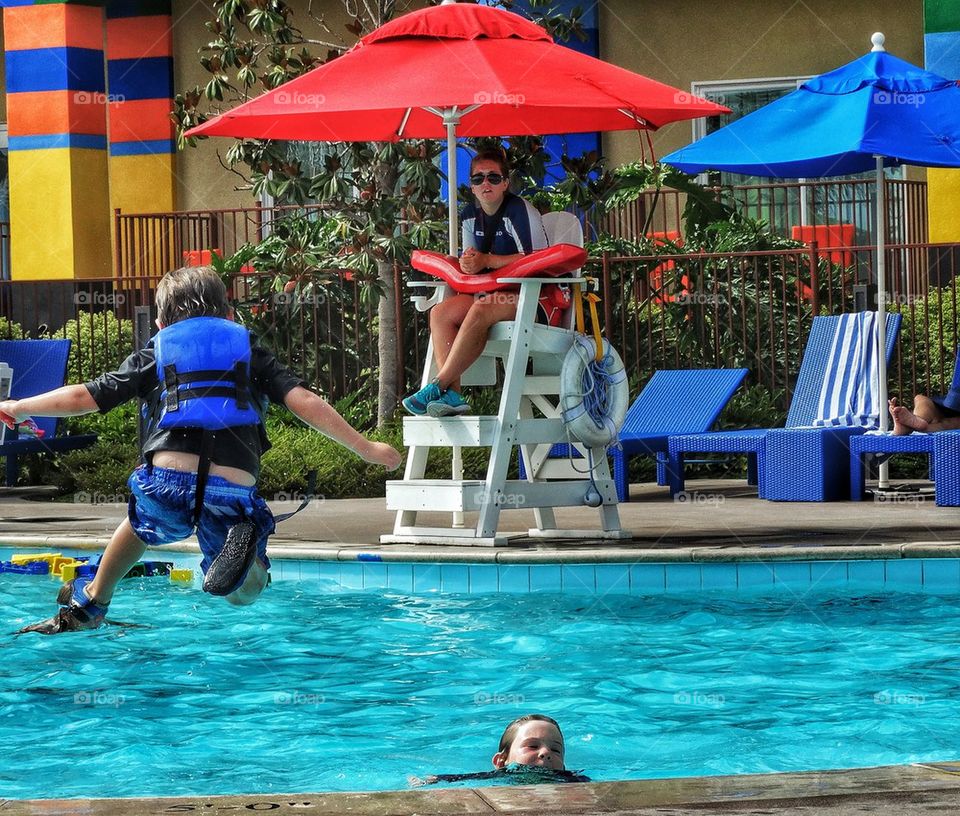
(457, 69)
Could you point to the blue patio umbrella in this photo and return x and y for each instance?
(877, 111)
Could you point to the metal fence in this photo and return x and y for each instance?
(749, 309)
(787, 207)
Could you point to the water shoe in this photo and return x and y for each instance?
(229, 569)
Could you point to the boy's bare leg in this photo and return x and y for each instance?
(251, 587)
(926, 409)
(123, 551)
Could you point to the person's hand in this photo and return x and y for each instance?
(10, 415)
(380, 453)
(473, 262)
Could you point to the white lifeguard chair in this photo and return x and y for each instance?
(529, 417)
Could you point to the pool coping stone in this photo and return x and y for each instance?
(884, 785)
(542, 554)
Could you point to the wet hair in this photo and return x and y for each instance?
(191, 291)
(510, 733)
(493, 154)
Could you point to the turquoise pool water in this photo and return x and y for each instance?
(318, 688)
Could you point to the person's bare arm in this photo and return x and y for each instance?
(323, 417)
(71, 400)
(473, 262)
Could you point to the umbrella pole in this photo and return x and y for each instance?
(450, 120)
(881, 314)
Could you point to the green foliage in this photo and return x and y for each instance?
(929, 339)
(10, 330)
(702, 207)
(100, 341)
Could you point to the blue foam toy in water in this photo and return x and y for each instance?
(33, 568)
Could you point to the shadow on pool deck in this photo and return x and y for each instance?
(718, 520)
(904, 790)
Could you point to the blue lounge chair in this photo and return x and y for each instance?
(38, 366)
(672, 401)
(684, 401)
(808, 459)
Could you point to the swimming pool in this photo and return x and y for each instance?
(324, 686)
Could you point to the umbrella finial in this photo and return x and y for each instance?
(878, 40)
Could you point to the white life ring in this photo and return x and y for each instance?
(573, 401)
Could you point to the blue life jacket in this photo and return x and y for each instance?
(203, 364)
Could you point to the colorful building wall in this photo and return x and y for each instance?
(942, 56)
(88, 128)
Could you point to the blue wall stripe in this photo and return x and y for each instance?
(151, 147)
(55, 69)
(59, 140)
(148, 78)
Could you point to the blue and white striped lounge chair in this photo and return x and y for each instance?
(834, 399)
(38, 366)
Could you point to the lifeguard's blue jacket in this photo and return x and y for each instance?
(242, 439)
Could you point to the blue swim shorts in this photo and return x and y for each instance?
(161, 510)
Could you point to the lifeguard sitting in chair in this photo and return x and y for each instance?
(502, 234)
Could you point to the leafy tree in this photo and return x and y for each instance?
(383, 198)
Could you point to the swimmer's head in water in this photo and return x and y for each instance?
(533, 739)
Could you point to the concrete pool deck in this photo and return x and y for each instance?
(719, 521)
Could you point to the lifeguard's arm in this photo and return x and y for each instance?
(323, 417)
(71, 400)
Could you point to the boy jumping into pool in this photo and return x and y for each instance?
(205, 386)
(531, 750)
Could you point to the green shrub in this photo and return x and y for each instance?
(99, 342)
(10, 330)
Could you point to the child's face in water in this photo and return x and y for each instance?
(536, 743)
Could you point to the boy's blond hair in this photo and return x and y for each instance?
(191, 291)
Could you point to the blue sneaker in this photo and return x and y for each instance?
(450, 403)
(417, 403)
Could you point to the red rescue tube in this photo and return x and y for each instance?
(553, 261)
